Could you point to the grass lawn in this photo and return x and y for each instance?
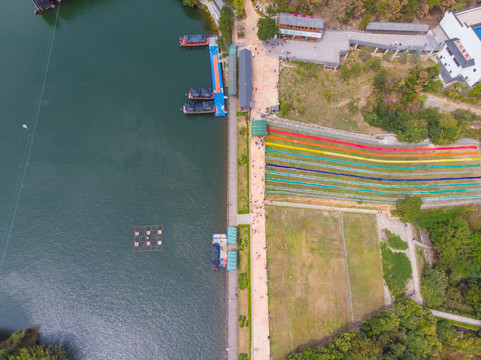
(242, 165)
(243, 241)
(307, 279)
(364, 264)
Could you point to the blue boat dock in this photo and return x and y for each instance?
(216, 78)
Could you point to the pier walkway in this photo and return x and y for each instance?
(231, 278)
(216, 78)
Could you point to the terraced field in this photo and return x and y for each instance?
(316, 166)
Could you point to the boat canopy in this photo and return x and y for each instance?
(194, 38)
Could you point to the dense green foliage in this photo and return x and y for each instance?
(409, 331)
(456, 236)
(243, 281)
(398, 107)
(22, 345)
(190, 3)
(267, 28)
(397, 270)
(394, 241)
(408, 209)
(226, 23)
(434, 283)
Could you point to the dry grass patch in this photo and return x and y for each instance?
(364, 264)
(320, 96)
(307, 280)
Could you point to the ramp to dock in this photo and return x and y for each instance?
(216, 78)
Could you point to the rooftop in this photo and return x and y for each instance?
(389, 26)
(301, 20)
(470, 16)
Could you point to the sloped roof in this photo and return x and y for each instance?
(300, 20)
(245, 78)
(389, 26)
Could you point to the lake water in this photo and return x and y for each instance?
(108, 149)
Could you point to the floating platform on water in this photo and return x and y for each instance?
(219, 241)
(193, 40)
(201, 94)
(204, 107)
(216, 77)
(148, 238)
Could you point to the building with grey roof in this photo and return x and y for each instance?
(245, 79)
(397, 28)
(300, 27)
(460, 57)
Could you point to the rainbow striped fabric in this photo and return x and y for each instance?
(301, 164)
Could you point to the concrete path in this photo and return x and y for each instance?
(260, 305)
(458, 318)
(449, 105)
(243, 219)
(231, 277)
(421, 245)
(334, 43)
(320, 207)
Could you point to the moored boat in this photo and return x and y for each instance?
(201, 94)
(203, 107)
(214, 256)
(194, 40)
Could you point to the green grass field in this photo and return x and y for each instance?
(364, 264)
(307, 278)
(242, 165)
(243, 242)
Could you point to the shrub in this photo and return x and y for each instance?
(356, 69)
(365, 52)
(284, 108)
(380, 80)
(345, 73)
(243, 281)
(408, 209)
(397, 270)
(366, 18)
(394, 241)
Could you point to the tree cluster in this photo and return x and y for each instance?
(408, 331)
(226, 23)
(23, 345)
(398, 108)
(455, 283)
(353, 10)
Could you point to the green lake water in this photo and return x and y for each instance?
(108, 149)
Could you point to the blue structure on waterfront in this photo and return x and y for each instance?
(216, 78)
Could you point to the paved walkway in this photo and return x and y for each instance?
(449, 105)
(320, 207)
(424, 246)
(231, 277)
(243, 219)
(334, 43)
(458, 318)
(260, 305)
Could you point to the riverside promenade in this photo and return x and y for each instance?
(231, 276)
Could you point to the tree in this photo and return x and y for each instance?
(267, 28)
(226, 23)
(39, 352)
(408, 209)
(190, 3)
(434, 283)
(380, 80)
(240, 6)
(383, 322)
(345, 73)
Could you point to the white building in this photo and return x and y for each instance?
(460, 58)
